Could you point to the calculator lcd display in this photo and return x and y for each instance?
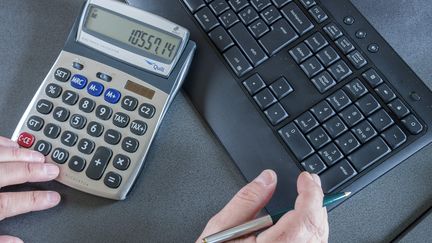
(139, 38)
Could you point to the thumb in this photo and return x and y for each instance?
(9, 239)
(245, 204)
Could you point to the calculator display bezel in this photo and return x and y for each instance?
(149, 63)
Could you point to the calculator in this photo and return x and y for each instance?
(97, 111)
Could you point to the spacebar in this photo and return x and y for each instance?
(296, 141)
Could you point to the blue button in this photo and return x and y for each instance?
(112, 96)
(95, 88)
(78, 81)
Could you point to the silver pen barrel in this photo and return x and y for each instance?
(241, 230)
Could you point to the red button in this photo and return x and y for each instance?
(26, 140)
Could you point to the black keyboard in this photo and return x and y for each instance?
(311, 78)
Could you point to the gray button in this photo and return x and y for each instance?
(129, 103)
(87, 105)
(69, 138)
(147, 110)
(103, 112)
(130, 145)
(77, 164)
(52, 131)
(44, 107)
(78, 121)
(120, 119)
(53, 90)
(112, 137)
(35, 123)
(86, 146)
(70, 97)
(59, 155)
(121, 162)
(95, 129)
(61, 114)
(43, 147)
(138, 127)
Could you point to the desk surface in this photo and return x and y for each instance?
(189, 176)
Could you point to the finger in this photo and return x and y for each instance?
(10, 239)
(245, 204)
(19, 154)
(6, 142)
(18, 173)
(15, 203)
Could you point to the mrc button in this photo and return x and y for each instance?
(62, 74)
(78, 81)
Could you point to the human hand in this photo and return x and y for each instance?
(19, 166)
(306, 223)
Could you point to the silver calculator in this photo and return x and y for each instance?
(100, 106)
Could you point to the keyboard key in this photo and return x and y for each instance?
(335, 126)
(333, 31)
(78, 81)
(356, 89)
(112, 96)
(276, 114)
(52, 131)
(280, 35)
(323, 82)
(95, 89)
(44, 106)
(297, 18)
(86, 146)
(130, 145)
(300, 53)
(314, 164)
(357, 59)
(147, 111)
(318, 14)
(43, 147)
(364, 131)
(194, 5)
(206, 19)
(77, 163)
(95, 129)
(339, 100)
(69, 138)
(62, 74)
(259, 5)
(121, 119)
(386, 93)
(264, 99)
(258, 28)
(337, 175)
(237, 61)
(312, 67)
(318, 138)
(248, 15)
(394, 137)
(412, 124)
(280, 3)
(281, 88)
(254, 84)
(323, 111)
(87, 105)
(328, 56)
(368, 104)
(219, 6)
(112, 180)
(228, 18)
(35, 123)
(59, 155)
(381, 120)
(316, 42)
(344, 45)
(238, 5)
(308, 3)
(351, 115)
(53, 90)
(103, 112)
(98, 163)
(221, 38)
(306, 122)
(347, 143)
(372, 77)
(247, 44)
(61, 114)
(138, 127)
(369, 154)
(270, 15)
(78, 121)
(399, 108)
(129, 103)
(296, 141)
(330, 154)
(112, 137)
(340, 70)
(121, 162)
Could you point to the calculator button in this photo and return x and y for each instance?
(306, 122)
(394, 136)
(98, 163)
(281, 88)
(62, 74)
(26, 140)
(70, 97)
(323, 111)
(254, 84)
(86, 146)
(339, 100)
(112, 137)
(356, 89)
(364, 131)
(318, 138)
(44, 107)
(347, 143)
(77, 66)
(331, 154)
(130, 145)
(103, 112)
(53, 90)
(368, 104)
(121, 162)
(43, 147)
(69, 138)
(78, 81)
(399, 108)
(147, 111)
(112, 180)
(386, 93)
(87, 105)
(61, 114)
(314, 164)
(78, 121)
(104, 77)
(35, 123)
(52, 131)
(112, 96)
(95, 89)
(381, 120)
(121, 119)
(373, 78)
(59, 155)
(412, 124)
(138, 127)
(77, 164)
(129, 103)
(95, 129)
(340, 70)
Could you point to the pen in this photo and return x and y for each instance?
(262, 222)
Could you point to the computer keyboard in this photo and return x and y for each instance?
(316, 87)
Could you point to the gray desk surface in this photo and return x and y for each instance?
(189, 176)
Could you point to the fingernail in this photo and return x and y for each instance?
(37, 157)
(317, 179)
(266, 178)
(53, 197)
(51, 170)
(308, 175)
